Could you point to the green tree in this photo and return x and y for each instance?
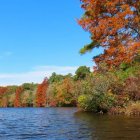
(55, 78)
(29, 86)
(82, 72)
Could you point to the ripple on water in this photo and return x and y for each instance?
(64, 124)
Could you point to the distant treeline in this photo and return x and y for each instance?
(58, 90)
(114, 91)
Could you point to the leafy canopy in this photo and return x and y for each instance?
(113, 25)
(82, 72)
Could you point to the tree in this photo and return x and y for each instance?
(65, 95)
(114, 26)
(55, 78)
(29, 86)
(3, 90)
(30, 99)
(41, 96)
(5, 102)
(17, 101)
(82, 72)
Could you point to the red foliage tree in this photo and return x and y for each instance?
(17, 101)
(114, 25)
(3, 90)
(41, 96)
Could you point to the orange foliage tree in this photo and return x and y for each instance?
(17, 101)
(3, 90)
(41, 95)
(65, 95)
(114, 25)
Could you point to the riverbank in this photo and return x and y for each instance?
(113, 91)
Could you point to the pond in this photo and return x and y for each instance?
(65, 124)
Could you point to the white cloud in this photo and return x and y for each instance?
(36, 75)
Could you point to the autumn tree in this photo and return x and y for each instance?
(17, 101)
(113, 25)
(3, 90)
(65, 93)
(41, 96)
(3, 99)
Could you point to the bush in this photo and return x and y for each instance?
(97, 102)
(117, 111)
(85, 102)
(104, 101)
(132, 88)
(122, 100)
(133, 109)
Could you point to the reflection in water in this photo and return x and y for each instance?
(64, 124)
(105, 127)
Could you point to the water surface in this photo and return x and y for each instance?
(65, 124)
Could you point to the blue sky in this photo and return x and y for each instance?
(38, 37)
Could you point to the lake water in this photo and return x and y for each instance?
(65, 124)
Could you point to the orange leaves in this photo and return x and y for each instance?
(65, 95)
(111, 50)
(135, 46)
(41, 95)
(17, 102)
(115, 25)
(3, 90)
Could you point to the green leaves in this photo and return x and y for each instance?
(89, 47)
(82, 72)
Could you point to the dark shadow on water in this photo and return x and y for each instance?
(106, 127)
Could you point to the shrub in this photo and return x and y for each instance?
(85, 102)
(97, 102)
(122, 100)
(133, 109)
(132, 87)
(116, 111)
